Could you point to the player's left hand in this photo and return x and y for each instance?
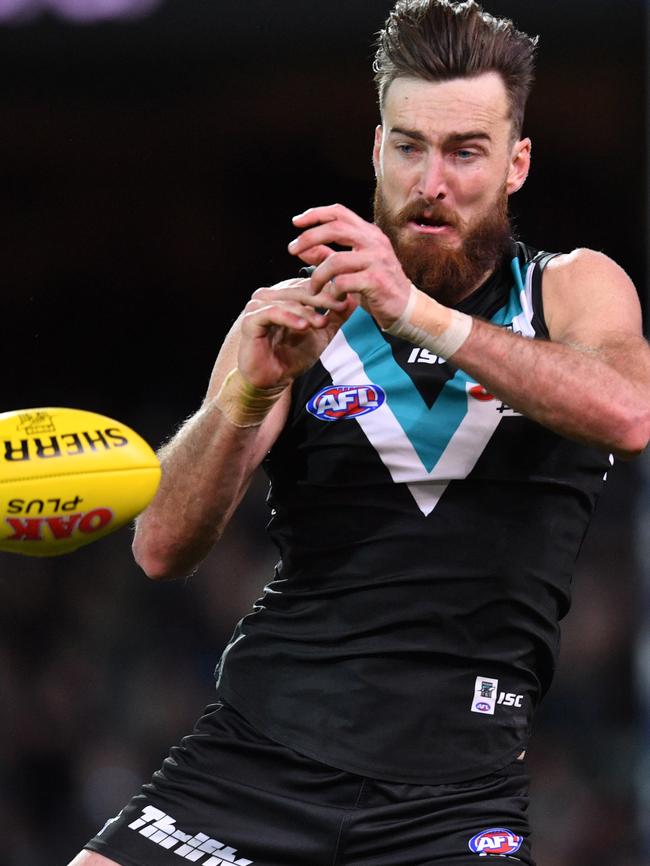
(369, 268)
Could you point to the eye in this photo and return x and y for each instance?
(463, 154)
(406, 149)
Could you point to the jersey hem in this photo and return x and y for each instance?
(476, 771)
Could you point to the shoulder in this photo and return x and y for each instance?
(586, 288)
(583, 263)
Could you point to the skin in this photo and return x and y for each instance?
(590, 382)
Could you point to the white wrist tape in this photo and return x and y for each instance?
(429, 324)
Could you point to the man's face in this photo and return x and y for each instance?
(445, 164)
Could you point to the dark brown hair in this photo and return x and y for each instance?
(437, 40)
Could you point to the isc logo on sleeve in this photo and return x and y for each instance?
(340, 402)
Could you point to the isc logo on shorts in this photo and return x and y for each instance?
(496, 840)
(339, 402)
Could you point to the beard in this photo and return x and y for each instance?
(443, 272)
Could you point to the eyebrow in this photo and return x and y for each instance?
(452, 138)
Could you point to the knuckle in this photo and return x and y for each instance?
(370, 276)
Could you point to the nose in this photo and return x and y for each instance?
(432, 183)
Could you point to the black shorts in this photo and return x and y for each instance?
(229, 796)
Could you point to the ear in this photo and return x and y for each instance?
(376, 150)
(519, 165)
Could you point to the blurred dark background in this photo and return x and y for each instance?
(149, 168)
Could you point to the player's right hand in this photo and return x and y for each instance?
(282, 335)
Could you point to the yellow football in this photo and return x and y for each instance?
(69, 477)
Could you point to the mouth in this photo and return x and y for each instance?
(430, 226)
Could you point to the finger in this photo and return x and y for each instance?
(303, 308)
(336, 232)
(337, 317)
(293, 316)
(337, 264)
(344, 285)
(326, 213)
(347, 223)
(288, 289)
(302, 294)
(290, 283)
(281, 289)
(350, 283)
(315, 255)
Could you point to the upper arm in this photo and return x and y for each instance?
(590, 301)
(591, 305)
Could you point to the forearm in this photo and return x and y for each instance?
(208, 465)
(205, 472)
(577, 392)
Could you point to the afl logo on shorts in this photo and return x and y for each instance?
(482, 707)
(340, 402)
(496, 840)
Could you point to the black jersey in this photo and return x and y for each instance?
(427, 535)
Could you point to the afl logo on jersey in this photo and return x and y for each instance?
(496, 840)
(340, 402)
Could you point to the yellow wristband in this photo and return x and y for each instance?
(244, 404)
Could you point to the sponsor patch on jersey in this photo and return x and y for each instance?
(496, 841)
(485, 695)
(478, 392)
(340, 402)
